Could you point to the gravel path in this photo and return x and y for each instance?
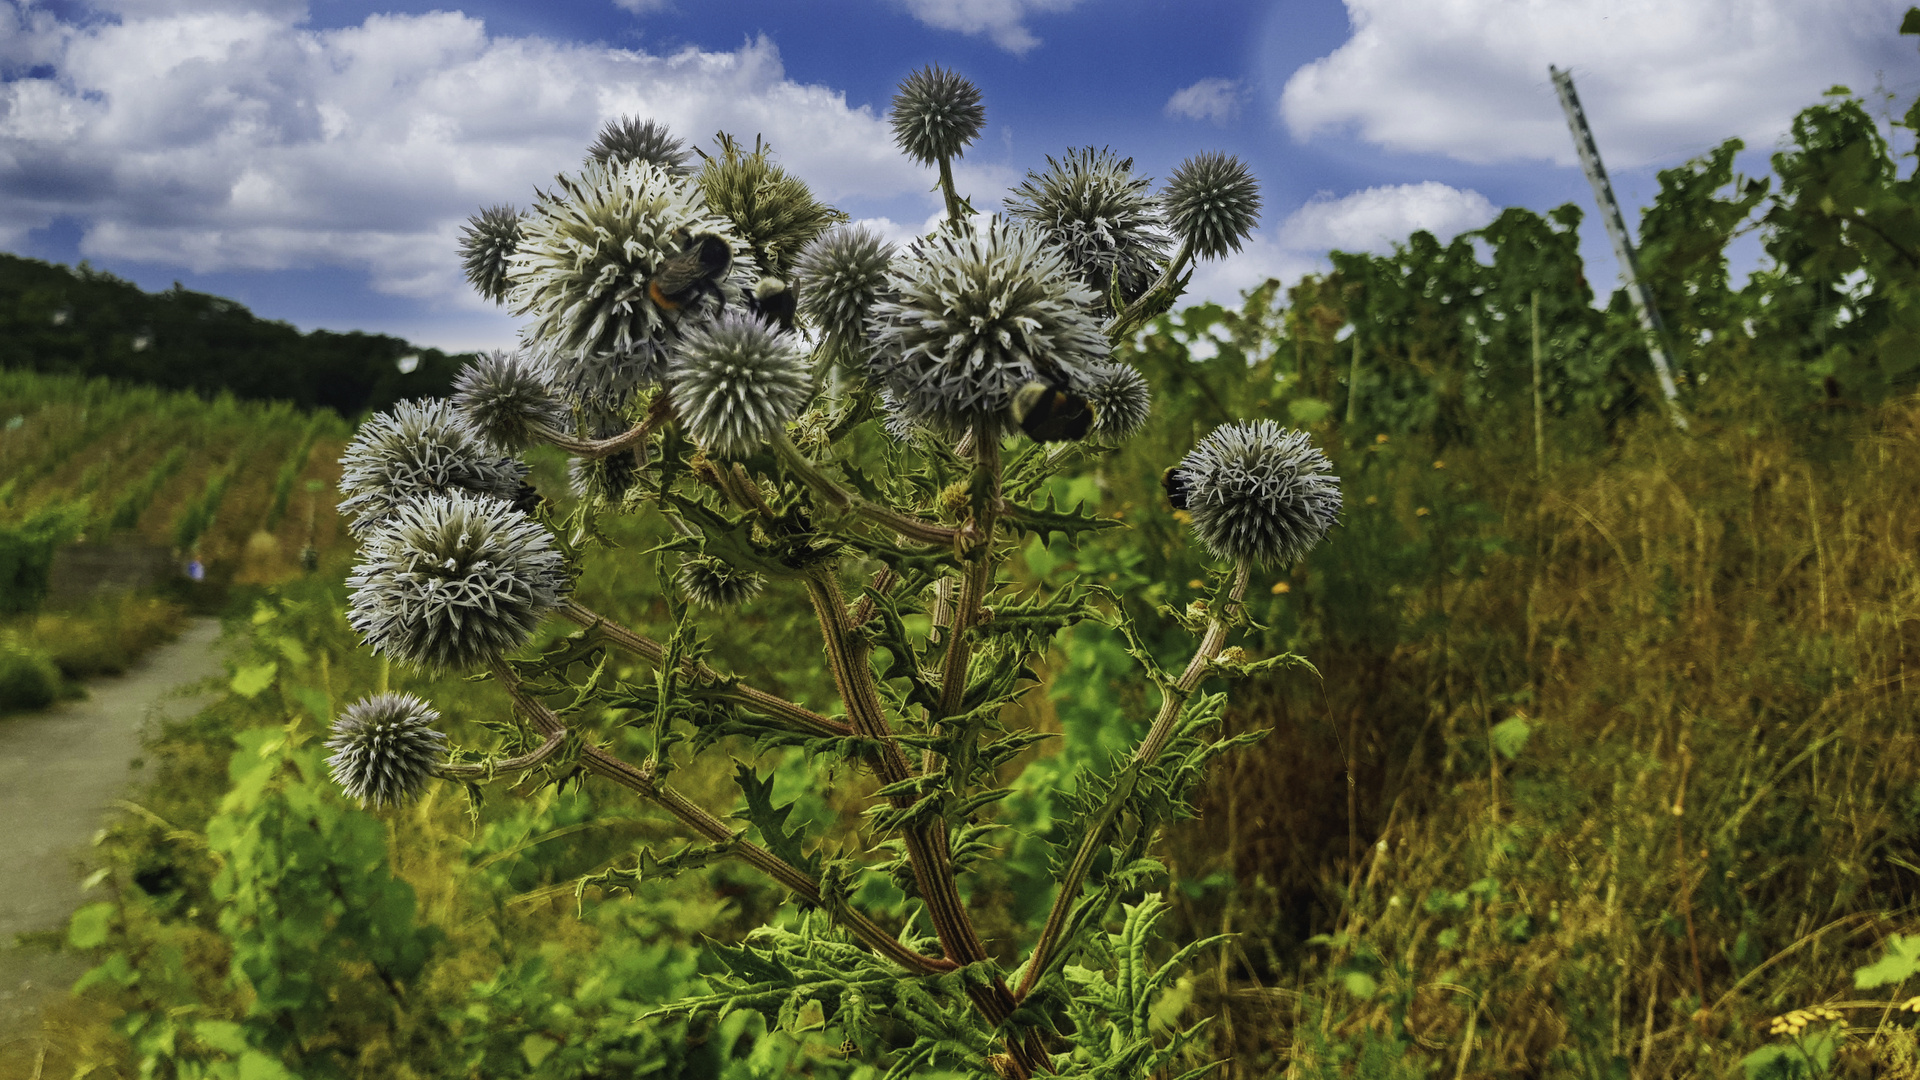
(59, 772)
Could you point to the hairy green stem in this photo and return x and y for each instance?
(760, 701)
(976, 582)
(487, 770)
(657, 413)
(924, 532)
(954, 213)
(1160, 295)
(1173, 699)
(711, 828)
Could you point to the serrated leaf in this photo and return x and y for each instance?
(771, 820)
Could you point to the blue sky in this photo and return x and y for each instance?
(316, 159)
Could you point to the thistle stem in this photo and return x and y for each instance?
(800, 717)
(1160, 295)
(977, 580)
(1173, 699)
(657, 413)
(952, 196)
(924, 532)
(643, 783)
(487, 770)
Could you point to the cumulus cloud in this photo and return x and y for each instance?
(1001, 21)
(1468, 78)
(236, 138)
(1214, 100)
(1373, 219)
(643, 7)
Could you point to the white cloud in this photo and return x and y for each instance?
(1214, 100)
(1373, 219)
(221, 140)
(1222, 281)
(644, 7)
(1001, 21)
(1468, 78)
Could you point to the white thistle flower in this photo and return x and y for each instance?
(1213, 202)
(839, 277)
(1121, 400)
(454, 581)
(737, 382)
(588, 253)
(709, 582)
(935, 114)
(1258, 492)
(385, 748)
(506, 397)
(487, 241)
(976, 315)
(1104, 217)
(419, 447)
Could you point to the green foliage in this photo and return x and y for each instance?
(26, 553)
(28, 678)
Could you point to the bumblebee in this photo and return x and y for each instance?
(773, 301)
(1050, 412)
(1175, 483)
(695, 271)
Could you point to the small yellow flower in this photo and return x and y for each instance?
(1380, 438)
(1282, 587)
(1182, 517)
(1373, 500)
(1195, 583)
(1422, 512)
(1911, 1005)
(1439, 464)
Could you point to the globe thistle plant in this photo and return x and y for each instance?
(454, 580)
(487, 241)
(1258, 492)
(506, 397)
(839, 277)
(1213, 203)
(606, 478)
(712, 583)
(1121, 400)
(737, 382)
(770, 208)
(1106, 219)
(419, 448)
(935, 115)
(975, 316)
(629, 138)
(588, 254)
(385, 748)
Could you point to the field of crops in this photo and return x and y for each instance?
(224, 481)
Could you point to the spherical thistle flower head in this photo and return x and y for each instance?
(839, 277)
(487, 241)
(385, 748)
(736, 383)
(420, 447)
(935, 114)
(1121, 400)
(629, 138)
(454, 581)
(506, 397)
(1213, 202)
(974, 316)
(588, 252)
(1259, 492)
(1106, 219)
(770, 209)
(709, 582)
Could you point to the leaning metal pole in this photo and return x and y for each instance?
(1583, 144)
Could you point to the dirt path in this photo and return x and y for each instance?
(59, 771)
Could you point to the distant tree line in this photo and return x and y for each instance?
(82, 321)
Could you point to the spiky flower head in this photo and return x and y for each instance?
(935, 114)
(1106, 218)
(710, 582)
(588, 252)
(770, 208)
(385, 748)
(736, 383)
(418, 448)
(506, 397)
(1259, 492)
(629, 138)
(487, 241)
(974, 316)
(839, 278)
(1213, 202)
(1121, 400)
(898, 425)
(453, 581)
